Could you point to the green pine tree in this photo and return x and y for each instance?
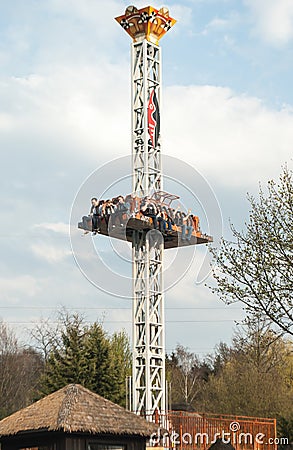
(88, 356)
(66, 362)
(120, 364)
(97, 354)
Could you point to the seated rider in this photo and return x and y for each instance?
(96, 213)
(160, 219)
(149, 209)
(131, 200)
(122, 209)
(167, 218)
(195, 221)
(187, 225)
(165, 223)
(107, 209)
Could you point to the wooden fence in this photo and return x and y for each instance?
(195, 431)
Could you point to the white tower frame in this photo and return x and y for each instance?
(146, 26)
(148, 372)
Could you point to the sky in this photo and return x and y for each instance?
(227, 125)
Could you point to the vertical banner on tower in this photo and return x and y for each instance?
(153, 119)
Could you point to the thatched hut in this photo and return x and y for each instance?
(74, 418)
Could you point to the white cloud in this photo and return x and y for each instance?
(58, 227)
(218, 23)
(80, 107)
(85, 110)
(233, 140)
(50, 253)
(14, 288)
(222, 23)
(90, 11)
(273, 19)
(183, 15)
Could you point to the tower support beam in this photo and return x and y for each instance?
(148, 371)
(146, 95)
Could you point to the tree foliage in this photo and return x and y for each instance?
(257, 269)
(186, 375)
(253, 381)
(20, 369)
(120, 357)
(251, 377)
(85, 354)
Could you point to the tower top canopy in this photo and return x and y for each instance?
(146, 23)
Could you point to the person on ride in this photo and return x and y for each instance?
(107, 209)
(149, 209)
(187, 225)
(96, 213)
(168, 219)
(121, 212)
(195, 221)
(161, 219)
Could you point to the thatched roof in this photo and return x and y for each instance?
(76, 409)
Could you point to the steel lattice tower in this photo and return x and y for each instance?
(146, 26)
